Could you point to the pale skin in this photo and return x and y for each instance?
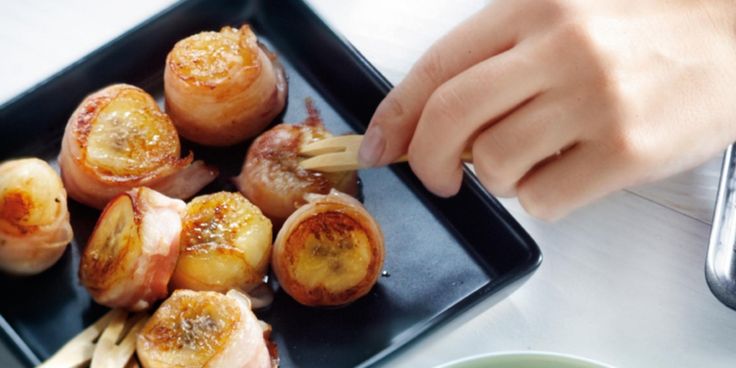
(565, 101)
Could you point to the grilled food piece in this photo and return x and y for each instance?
(225, 244)
(119, 139)
(329, 252)
(223, 87)
(272, 178)
(204, 329)
(34, 220)
(132, 251)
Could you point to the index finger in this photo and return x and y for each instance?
(483, 35)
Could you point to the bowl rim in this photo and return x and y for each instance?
(565, 358)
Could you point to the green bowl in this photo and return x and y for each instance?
(524, 359)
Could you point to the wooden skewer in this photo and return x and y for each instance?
(109, 342)
(78, 351)
(340, 153)
(117, 343)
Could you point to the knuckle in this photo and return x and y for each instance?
(444, 105)
(495, 184)
(414, 158)
(536, 203)
(439, 179)
(491, 76)
(431, 182)
(554, 10)
(488, 154)
(628, 145)
(575, 33)
(492, 169)
(390, 107)
(594, 62)
(431, 66)
(420, 164)
(606, 83)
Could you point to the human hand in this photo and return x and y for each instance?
(565, 101)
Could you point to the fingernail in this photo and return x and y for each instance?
(371, 149)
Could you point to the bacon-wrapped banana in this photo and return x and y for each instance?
(225, 244)
(118, 139)
(34, 220)
(272, 178)
(205, 329)
(329, 252)
(132, 251)
(223, 87)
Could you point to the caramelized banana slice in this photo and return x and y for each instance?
(118, 139)
(329, 252)
(34, 220)
(132, 251)
(204, 329)
(223, 87)
(225, 244)
(272, 178)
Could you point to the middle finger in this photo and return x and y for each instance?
(508, 149)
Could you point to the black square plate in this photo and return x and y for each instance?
(443, 255)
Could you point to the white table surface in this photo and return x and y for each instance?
(622, 280)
